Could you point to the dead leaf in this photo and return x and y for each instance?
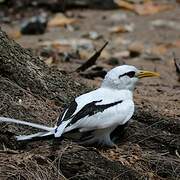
(124, 4)
(147, 8)
(162, 48)
(159, 49)
(61, 20)
(150, 8)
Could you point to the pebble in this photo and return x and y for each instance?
(136, 49)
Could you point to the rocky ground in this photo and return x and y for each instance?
(149, 148)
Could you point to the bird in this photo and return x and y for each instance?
(98, 113)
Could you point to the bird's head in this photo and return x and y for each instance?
(125, 77)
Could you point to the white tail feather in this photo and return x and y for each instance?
(60, 130)
(31, 136)
(38, 126)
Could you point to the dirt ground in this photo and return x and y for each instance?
(150, 146)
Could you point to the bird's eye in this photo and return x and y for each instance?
(131, 74)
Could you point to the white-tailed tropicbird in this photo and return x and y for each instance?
(96, 114)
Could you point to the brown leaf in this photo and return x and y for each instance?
(61, 20)
(150, 8)
(159, 49)
(162, 48)
(147, 8)
(124, 5)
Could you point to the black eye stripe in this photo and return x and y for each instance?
(129, 74)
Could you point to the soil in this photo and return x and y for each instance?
(148, 147)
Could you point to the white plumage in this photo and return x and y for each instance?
(97, 113)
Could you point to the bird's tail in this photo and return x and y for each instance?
(48, 130)
(36, 136)
(38, 126)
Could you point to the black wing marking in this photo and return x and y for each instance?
(69, 113)
(91, 109)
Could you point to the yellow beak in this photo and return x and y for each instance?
(142, 74)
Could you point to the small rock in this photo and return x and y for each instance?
(61, 20)
(34, 25)
(136, 49)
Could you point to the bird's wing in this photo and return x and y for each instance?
(84, 109)
(68, 113)
(73, 109)
(99, 116)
